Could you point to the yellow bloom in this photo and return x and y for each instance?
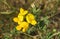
(23, 26)
(20, 17)
(18, 27)
(15, 19)
(30, 17)
(23, 12)
(34, 22)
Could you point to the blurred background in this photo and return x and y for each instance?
(10, 9)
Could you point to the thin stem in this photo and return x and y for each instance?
(54, 35)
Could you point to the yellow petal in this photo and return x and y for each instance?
(27, 19)
(20, 17)
(30, 17)
(19, 22)
(15, 19)
(21, 10)
(18, 27)
(34, 22)
(24, 13)
(23, 30)
(24, 24)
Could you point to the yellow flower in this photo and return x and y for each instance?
(15, 19)
(20, 17)
(18, 27)
(34, 22)
(23, 26)
(30, 17)
(23, 12)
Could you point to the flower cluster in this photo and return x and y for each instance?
(23, 19)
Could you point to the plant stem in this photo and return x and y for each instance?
(54, 35)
